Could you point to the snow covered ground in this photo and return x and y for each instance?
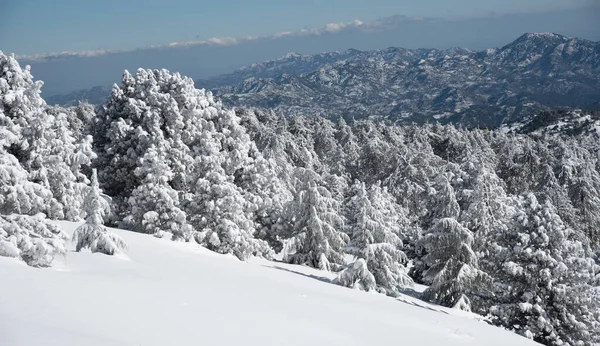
(167, 293)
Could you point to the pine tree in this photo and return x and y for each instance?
(442, 205)
(544, 280)
(56, 159)
(442, 200)
(315, 226)
(19, 195)
(585, 194)
(92, 234)
(374, 225)
(453, 269)
(222, 221)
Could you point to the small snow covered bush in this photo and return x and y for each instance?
(356, 276)
(31, 238)
(92, 234)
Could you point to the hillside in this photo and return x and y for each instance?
(168, 293)
(557, 123)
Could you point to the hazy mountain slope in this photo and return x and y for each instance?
(168, 293)
(95, 95)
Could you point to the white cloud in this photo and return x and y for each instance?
(83, 54)
(329, 28)
(336, 27)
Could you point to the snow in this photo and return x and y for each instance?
(171, 293)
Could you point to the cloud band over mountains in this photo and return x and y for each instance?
(330, 28)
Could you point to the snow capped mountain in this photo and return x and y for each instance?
(536, 72)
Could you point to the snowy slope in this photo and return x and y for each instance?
(166, 293)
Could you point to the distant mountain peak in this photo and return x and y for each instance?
(544, 35)
(290, 55)
(537, 38)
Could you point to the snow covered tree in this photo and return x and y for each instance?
(268, 195)
(20, 103)
(452, 264)
(488, 207)
(40, 163)
(374, 224)
(152, 107)
(543, 279)
(348, 149)
(585, 194)
(92, 234)
(315, 226)
(154, 203)
(212, 175)
(442, 200)
(56, 160)
(441, 205)
(41, 139)
(19, 195)
(224, 185)
(222, 221)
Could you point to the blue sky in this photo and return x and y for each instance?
(43, 26)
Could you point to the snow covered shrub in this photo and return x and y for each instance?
(92, 234)
(356, 275)
(32, 239)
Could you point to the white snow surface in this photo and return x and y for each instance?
(168, 293)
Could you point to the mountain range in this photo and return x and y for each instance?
(538, 72)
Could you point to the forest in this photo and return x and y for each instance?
(494, 222)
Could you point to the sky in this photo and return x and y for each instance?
(48, 26)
